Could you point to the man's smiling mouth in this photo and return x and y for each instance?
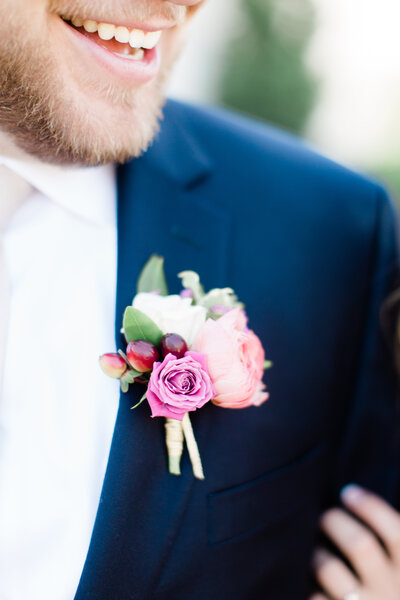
(126, 43)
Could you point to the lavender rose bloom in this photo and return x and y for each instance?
(179, 385)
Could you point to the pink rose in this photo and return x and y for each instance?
(179, 385)
(235, 360)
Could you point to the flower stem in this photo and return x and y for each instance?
(192, 447)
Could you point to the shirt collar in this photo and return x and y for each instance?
(89, 192)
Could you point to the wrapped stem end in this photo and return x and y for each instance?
(176, 431)
(174, 440)
(174, 465)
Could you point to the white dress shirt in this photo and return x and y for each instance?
(57, 410)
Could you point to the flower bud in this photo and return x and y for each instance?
(186, 293)
(113, 365)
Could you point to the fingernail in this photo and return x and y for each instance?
(352, 494)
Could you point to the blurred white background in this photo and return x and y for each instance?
(196, 75)
(354, 53)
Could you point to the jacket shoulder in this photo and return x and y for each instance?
(274, 165)
(228, 136)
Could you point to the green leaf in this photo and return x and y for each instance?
(124, 386)
(268, 365)
(138, 326)
(130, 376)
(152, 277)
(142, 399)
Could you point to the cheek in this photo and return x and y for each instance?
(192, 5)
(173, 41)
(23, 12)
(193, 9)
(22, 25)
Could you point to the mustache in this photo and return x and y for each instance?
(141, 10)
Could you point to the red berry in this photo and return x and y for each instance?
(142, 355)
(113, 365)
(172, 343)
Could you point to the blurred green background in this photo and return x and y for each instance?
(327, 70)
(264, 74)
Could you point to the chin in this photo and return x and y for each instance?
(78, 123)
(73, 115)
(110, 129)
(88, 141)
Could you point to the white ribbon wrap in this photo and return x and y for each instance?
(176, 431)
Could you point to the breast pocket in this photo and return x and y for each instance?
(263, 501)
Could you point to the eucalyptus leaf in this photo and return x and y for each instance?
(152, 278)
(138, 326)
(142, 399)
(221, 297)
(191, 281)
(213, 315)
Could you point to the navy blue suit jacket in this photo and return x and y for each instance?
(311, 248)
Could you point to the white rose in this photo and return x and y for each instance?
(173, 314)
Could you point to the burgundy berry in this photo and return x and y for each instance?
(142, 355)
(172, 343)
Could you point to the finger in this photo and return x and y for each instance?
(333, 575)
(378, 514)
(319, 597)
(358, 544)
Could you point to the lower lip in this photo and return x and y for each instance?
(137, 72)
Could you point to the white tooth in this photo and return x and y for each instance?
(139, 55)
(77, 22)
(122, 35)
(151, 39)
(90, 26)
(136, 38)
(106, 31)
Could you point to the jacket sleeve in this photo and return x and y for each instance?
(369, 448)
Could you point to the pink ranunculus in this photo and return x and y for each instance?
(179, 385)
(235, 360)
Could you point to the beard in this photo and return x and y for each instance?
(57, 123)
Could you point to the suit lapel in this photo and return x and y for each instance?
(162, 209)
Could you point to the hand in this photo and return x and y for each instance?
(376, 569)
